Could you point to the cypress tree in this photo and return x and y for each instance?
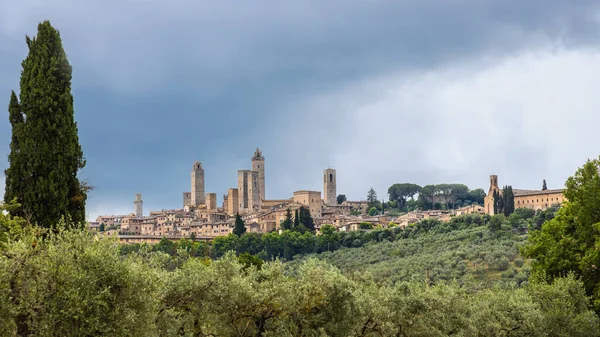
(240, 227)
(14, 173)
(47, 157)
(296, 218)
(287, 223)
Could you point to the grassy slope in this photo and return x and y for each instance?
(473, 256)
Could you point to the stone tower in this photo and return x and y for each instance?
(488, 201)
(211, 201)
(197, 197)
(139, 206)
(248, 191)
(329, 187)
(258, 165)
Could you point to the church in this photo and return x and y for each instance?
(533, 199)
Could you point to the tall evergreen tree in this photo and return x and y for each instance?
(47, 155)
(306, 219)
(296, 218)
(544, 187)
(14, 173)
(240, 227)
(508, 201)
(288, 222)
(372, 198)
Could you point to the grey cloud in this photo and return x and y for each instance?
(174, 76)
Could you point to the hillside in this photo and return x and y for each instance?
(473, 255)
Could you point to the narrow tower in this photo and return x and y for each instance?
(329, 187)
(139, 206)
(197, 185)
(258, 165)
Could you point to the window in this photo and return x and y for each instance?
(330, 177)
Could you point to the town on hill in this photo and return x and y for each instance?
(201, 218)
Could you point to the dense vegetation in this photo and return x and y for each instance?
(45, 155)
(570, 242)
(71, 283)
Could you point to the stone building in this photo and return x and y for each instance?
(329, 187)
(187, 199)
(312, 199)
(139, 206)
(232, 201)
(248, 191)
(197, 194)
(532, 199)
(211, 201)
(258, 165)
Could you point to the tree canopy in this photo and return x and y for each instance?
(45, 155)
(570, 241)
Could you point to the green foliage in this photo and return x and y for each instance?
(102, 227)
(372, 198)
(70, 283)
(508, 201)
(366, 225)
(296, 218)
(496, 221)
(287, 224)
(10, 226)
(249, 260)
(45, 151)
(341, 198)
(373, 211)
(401, 192)
(306, 219)
(240, 227)
(570, 241)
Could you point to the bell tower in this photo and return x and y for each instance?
(258, 165)
(139, 206)
(329, 187)
(197, 194)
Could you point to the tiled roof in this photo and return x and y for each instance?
(522, 193)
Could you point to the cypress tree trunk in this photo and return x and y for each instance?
(47, 184)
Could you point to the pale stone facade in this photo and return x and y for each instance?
(243, 177)
(139, 206)
(197, 194)
(312, 199)
(248, 191)
(232, 201)
(187, 198)
(532, 199)
(329, 187)
(258, 165)
(211, 201)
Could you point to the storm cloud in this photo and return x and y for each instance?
(383, 91)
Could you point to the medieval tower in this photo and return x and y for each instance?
(197, 197)
(258, 165)
(329, 187)
(139, 206)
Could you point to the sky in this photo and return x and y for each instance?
(426, 92)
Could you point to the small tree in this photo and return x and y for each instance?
(495, 223)
(341, 198)
(372, 198)
(288, 222)
(240, 227)
(544, 187)
(306, 219)
(296, 218)
(102, 227)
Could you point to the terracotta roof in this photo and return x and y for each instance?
(522, 193)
